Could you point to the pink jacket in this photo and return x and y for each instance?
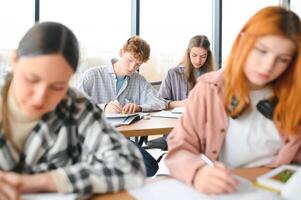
(202, 129)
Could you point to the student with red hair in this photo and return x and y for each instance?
(248, 114)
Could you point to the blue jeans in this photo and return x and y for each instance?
(150, 162)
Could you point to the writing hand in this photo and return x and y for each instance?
(215, 180)
(113, 107)
(131, 108)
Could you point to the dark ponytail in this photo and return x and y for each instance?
(50, 38)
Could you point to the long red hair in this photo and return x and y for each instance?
(287, 87)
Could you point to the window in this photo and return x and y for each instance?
(16, 17)
(101, 26)
(167, 26)
(234, 19)
(296, 7)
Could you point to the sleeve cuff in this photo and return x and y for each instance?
(61, 181)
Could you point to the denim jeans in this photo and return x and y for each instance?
(150, 162)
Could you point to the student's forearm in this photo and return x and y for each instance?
(174, 104)
(38, 183)
(61, 181)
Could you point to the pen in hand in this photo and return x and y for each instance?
(231, 181)
(207, 160)
(119, 106)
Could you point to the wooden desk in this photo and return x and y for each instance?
(146, 127)
(248, 173)
(251, 173)
(117, 196)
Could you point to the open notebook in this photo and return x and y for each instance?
(116, 119)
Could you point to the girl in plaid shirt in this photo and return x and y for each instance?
(52, 139)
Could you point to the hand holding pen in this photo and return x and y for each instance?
(130, 107)
(214, 178)
(116, 107)
(113, 107)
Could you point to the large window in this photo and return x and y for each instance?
(296, 7)
(16, 17)
(101, 26)
(167, 25)
(234, 19)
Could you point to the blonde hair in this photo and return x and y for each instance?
(138, 47)
(287, 87)
(202, 42)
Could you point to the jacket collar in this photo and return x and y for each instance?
(215, 78)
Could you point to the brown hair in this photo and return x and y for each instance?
(202, 42)
(138, 47)
(5, 112)
(287, 87)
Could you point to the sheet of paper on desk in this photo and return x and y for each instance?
(179, 110)
(118, 115)
(173, 189)
(49, 196)
(166, 114)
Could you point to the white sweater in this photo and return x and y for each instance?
(254, 135)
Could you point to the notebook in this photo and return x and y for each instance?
(292, 189)
(276, 179)
(116, 119)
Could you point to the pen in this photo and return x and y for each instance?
(207, 160)
(122, 111)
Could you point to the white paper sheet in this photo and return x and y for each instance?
(178, 110)
(175, 190)
(49, 196)
(166, 114)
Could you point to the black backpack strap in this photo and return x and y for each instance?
(160, 157)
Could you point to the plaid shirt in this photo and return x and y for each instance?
(76, 140)
(99, 84)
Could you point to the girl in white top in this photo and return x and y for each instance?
(248, 114)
